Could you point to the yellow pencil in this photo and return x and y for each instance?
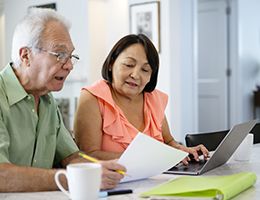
(87, 157)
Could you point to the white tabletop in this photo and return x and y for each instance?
(138, 187)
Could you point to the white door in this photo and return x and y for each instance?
(212, 65)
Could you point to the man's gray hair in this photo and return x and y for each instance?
(28, 33)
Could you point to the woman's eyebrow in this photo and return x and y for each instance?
(129, 57)
(132, 58)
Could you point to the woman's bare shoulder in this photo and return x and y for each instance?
(87, 98)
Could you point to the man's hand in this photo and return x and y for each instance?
(110, 178)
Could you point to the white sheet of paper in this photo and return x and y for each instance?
(146, 157)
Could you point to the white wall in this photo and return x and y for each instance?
(249, 53)
(164, 77)
(235, 85)
(97, 34)
(105, 29)
(183, 72)
(245, 58)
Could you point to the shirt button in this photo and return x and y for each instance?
(29, 97)
(32, 110)
(35, 160)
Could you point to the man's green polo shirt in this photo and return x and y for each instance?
(28, 138)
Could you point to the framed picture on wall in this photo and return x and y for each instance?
(145, 19)
(49, 5)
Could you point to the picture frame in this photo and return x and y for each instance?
(145, 19)
(49, 5)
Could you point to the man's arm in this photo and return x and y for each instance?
(27, 179)
(30, 179)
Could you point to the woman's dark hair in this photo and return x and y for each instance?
(121, 45)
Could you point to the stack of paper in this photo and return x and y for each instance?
(208, 187)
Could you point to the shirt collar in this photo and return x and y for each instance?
(14, 90)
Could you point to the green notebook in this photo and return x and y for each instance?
(208, 187)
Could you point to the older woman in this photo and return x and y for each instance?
(112, 111)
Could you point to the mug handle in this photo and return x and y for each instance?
(56, 177)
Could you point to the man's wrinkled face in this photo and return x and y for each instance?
(46, 69)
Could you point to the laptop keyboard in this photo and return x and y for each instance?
(193, 166)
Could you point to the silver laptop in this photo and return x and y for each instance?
(220, 156)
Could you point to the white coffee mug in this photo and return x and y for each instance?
(84, 180)
(243, 152)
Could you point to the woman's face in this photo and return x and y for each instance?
(131, 71)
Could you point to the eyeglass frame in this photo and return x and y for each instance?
(59, 55)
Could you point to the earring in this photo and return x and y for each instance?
(110, 69)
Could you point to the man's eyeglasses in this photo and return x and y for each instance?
(62, 57)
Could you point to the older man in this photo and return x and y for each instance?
(32, 135)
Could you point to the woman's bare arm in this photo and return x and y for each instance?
(88, 127)
(169, 140)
